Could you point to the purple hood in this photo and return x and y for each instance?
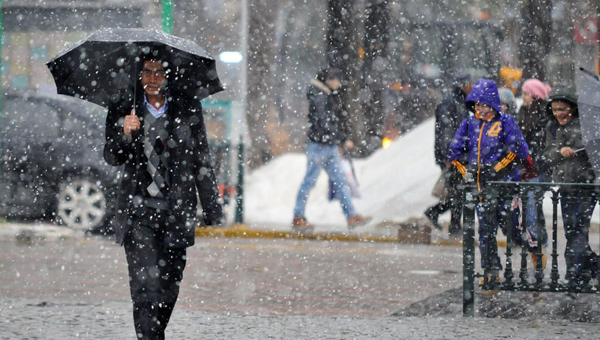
(484, 91)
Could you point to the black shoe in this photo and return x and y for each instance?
(433, 218)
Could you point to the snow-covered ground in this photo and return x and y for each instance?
(395, 185)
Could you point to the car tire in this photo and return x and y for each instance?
(81, 204)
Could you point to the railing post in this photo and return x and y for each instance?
(470, 201)
(239, 207)
(539, 265)
(554, 275)
(508, 271)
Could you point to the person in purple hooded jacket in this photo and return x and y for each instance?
(491, 141)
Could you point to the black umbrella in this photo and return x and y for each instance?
(588, 103)
(109, 61)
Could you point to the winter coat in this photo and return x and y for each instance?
(189, 168)
(491, 146)
(449, 113)
(567, 170)
(533, 121)
(327, 122)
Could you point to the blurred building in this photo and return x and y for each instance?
(34, 31)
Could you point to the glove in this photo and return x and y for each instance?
(461, 168)
(530, 171)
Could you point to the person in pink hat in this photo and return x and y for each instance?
(533, 116)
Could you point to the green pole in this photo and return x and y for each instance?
(1, 46)
(1, 66)
(239, 202)
(167, 16)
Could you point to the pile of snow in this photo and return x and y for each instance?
(395, 185)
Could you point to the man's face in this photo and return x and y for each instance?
(334, 84)
(467, 87)
(562, 112)
(154, 78)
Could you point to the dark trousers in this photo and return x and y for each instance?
(492, 212)
(155, 273)
(577, 209)
(453, 203)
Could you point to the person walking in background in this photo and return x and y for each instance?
(565, 155)
(449, 113)
(491, 141)
(533, 116)
(160, 139)
(328, 128)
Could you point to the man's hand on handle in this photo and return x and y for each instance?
(567, 152)
(131, 123)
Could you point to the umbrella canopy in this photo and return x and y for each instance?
(110, 60)
(588, 102)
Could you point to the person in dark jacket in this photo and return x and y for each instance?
(449, 113)
(533, 116)
(491, 141)
(161, 141)
(328, 128)
(569, 162)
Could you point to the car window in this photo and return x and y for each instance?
(30, 120)
(83, 119)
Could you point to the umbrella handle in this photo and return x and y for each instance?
(135, 71)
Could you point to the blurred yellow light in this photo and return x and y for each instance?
(386, 143)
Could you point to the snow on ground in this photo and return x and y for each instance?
(395, 184)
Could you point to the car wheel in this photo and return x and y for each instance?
(81, 204)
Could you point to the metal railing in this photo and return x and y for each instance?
(496, 196)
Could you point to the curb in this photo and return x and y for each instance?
(28, 233)
(244, 231)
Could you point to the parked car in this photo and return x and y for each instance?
(52, 166)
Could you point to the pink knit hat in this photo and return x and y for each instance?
(536, 88)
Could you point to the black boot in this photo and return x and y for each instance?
(433, 218)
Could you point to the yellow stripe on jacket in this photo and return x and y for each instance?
(504, 162)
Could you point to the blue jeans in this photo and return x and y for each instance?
(535, 223)
(326, 157)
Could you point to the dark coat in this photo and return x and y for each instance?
(189, 167)
(533, 121)
(567, 170)
(327, 122)
(449, 113)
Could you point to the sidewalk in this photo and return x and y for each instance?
(112, 321)
(241, 288)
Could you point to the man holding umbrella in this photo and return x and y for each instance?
(152, 84)
(162, 144)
